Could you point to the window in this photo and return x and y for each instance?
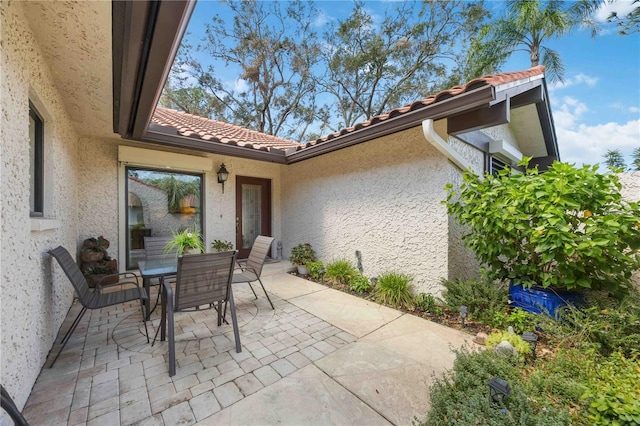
(496, 165)
(36, 166)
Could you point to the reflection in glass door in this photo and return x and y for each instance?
(253, 212)
(159, 203)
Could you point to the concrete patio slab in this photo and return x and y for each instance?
(321, 357)
(306, 397)
(350, 313)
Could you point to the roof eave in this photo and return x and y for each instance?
(469, 100)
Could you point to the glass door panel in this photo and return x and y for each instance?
(158, 203)
(253, 212)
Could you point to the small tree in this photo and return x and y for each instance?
(566, 228)
(635, 163)
(614, 159)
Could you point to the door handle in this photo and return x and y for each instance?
(237, 223)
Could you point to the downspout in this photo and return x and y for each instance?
(442, 146)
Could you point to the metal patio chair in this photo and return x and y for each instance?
(202, 279)
(154, 248)
(7, 404)
(96, 298)
(251, 268)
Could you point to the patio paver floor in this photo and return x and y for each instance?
(321, 357)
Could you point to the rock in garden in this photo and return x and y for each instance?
(505, 347)
(480, 338)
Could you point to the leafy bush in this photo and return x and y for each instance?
(519, 319)
(566, 228)
(614, 392)
(221, 245)
(314, 269)
(428, 303)
(359, 283)
(341, 271)
(516, 341)
(482, 297)
(182, 240)
(393, 289)
(302, 254)
(609, 325)
(462, 396)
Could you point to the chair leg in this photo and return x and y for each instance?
(252, 290)
(67, 336)
(265, 292)
(7, 404)
(172, 345)
(144, 320)
(234, 321)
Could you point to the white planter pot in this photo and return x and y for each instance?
(303, 270)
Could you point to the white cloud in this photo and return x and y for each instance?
(621, 7)
(241, 86)
(578, 79)
(634, 109)
(322, 19)
(582, 143)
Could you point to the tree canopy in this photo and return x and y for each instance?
(295, 82)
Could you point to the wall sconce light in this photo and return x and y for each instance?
(498, 389)
(223, 175)
(464, 311)
(532, 340)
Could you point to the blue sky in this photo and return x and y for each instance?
(596, 109)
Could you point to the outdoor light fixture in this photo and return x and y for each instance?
(321, 272)
(223, 175)
(498, 389)
(463, 313)
(532, 340)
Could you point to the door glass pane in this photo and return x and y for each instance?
(251, 214)
(158, 203)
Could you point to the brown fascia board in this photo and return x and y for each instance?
(145, 36)
(169, 137)
(470, 100)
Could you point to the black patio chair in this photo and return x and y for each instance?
(201, 279)
(96, 298)
(251, 268)
(7, 404)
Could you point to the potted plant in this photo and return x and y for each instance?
(302, 254)
(221, 245)
(188, 241)
(562, 230)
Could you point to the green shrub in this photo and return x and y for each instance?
(393, 289)
(522, 347)
(314, 269)
(302, 254)
(482, 297)
(519, 319)
(608, 325)
(359, 283)
(567, 228)
(340, 271)
(614, 392)
(428, 303)
(461, 397)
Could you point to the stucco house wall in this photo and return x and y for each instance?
(99, 198)
(381, 198)
(34, 301)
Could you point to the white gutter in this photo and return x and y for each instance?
(444, 147)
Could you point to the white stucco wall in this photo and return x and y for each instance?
(33, 301)
(98, 189)
(382, 198)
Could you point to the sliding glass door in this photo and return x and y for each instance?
(158, 204)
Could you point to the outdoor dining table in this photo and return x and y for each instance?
(155, 268)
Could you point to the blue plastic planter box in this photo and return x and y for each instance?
(540, 300)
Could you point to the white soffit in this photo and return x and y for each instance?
(163, 160)
(526, 128)
(505, 152)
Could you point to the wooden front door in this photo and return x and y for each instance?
(253, 212)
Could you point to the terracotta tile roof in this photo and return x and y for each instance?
(190, 125)
(490, 79)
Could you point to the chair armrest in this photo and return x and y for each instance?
(100, 286)
(167, 287)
